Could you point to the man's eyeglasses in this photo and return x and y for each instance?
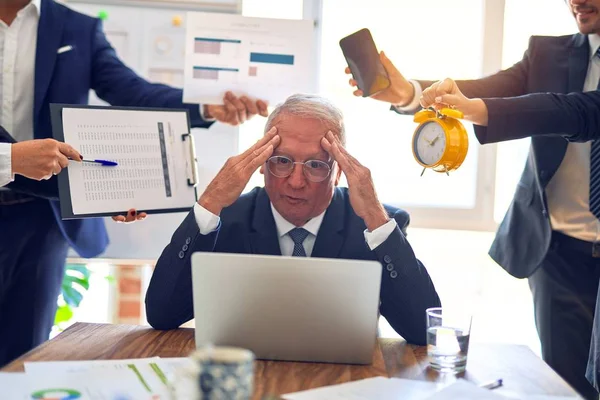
(314, 170)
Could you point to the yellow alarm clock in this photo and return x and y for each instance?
(440, 142)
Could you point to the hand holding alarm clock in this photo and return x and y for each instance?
(446, 94)
(440, 141)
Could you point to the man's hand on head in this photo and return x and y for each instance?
(231, 180)
(363, 197)
(235, 110)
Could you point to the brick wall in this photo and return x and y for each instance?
(129, 295)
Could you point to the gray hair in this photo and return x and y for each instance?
(311, 106)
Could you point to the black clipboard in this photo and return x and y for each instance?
(64, 190)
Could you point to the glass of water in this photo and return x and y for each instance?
(448, 334)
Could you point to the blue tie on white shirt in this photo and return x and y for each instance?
(595, 171)
(298, 235)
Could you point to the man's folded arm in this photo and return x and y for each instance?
(169, 297)
(406, 288)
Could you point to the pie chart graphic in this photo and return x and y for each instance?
(56, 394)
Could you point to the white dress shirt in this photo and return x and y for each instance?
(208, 222)
(416, 100)
(17, 59)
(568, 192)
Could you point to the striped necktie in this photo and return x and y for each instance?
(298, 235)
(595, 171)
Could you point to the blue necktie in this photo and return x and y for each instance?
(595, 171)
(298, 235)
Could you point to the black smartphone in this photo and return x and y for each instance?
(363, 59)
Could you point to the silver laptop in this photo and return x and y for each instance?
(287, 308)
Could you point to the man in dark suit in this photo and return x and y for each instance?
(576, 116)
(299, 212)
(550, 232)
(52, 54)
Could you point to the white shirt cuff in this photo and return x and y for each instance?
(6, 175)
(380, 235)
(415, 102)
(207, 221)
(206, 118)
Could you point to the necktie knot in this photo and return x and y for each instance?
(298, 235)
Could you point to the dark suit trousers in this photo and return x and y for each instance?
(33, 252)
(564, 293)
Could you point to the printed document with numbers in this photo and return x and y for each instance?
(152, 149)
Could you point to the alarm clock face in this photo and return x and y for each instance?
(430, 143)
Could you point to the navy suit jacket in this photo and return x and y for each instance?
(550, 64)
(576, 116)
(248, 226)
(68, 78)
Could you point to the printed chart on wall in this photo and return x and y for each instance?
(150, 152)
(262, 58)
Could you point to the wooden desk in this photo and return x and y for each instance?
(522, 371)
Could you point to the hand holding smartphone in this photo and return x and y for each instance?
(363, 60)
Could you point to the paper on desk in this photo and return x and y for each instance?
(84, 365)
(262, 58)
(379, 388)
(169, 364)
(13, 385)
(464, 390)
(104, 385)
(146, 371)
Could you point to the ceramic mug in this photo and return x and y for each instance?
(215, 373)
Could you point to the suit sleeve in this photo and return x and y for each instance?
(118, 85)
(510, 82)
(47, 189)
(169, 297)
(406, 288)
(6, 175)
(575, 116)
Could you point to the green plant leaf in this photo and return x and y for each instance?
(63, 314)
(76, 282)
(69, 280)
(78, 270)
(78, 267)
(71, 296)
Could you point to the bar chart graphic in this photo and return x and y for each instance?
(216, 74)
(267, 58)
(262, 58)
(216, 46)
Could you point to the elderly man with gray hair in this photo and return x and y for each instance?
(300, 211)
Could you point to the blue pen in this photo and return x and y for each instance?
(102, 162)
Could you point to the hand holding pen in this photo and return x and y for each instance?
(40, 159)
(105, 163)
